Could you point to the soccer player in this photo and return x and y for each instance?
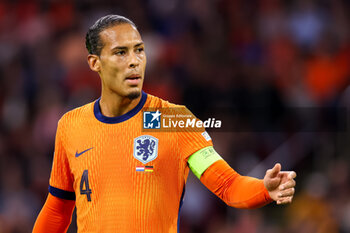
(123, 179)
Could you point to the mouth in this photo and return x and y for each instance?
(133, 79)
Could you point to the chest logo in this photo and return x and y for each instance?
(145, 148)
(78, 154)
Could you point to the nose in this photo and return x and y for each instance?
(134, 61)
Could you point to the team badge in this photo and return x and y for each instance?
(145, 148)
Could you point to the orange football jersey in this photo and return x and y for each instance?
(122, 178)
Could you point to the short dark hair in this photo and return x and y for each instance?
(93, 41)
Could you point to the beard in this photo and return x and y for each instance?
(134, 95)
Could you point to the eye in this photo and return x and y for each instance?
(120, 52)
(139, 50)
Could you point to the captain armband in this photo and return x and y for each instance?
(202, 159)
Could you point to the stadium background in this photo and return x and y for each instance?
(234, 54)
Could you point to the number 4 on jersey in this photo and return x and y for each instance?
(85, 180)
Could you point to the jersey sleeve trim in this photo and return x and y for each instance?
(202, 159)
(61, 193)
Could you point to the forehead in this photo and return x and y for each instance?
(120, 35)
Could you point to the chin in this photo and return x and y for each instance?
(134, 95)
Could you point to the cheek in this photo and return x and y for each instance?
(116, 67)
(144, 61)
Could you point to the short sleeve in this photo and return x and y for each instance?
(61, 179)
(192, 139)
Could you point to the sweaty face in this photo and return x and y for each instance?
(122, 61)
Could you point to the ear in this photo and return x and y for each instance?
(94, 62)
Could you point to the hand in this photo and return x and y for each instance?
(280, 185)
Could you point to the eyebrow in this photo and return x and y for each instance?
(125, 47)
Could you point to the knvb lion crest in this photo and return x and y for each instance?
(145, 148)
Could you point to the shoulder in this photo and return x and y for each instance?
(77, 115)
(156, 102)
(169, 109)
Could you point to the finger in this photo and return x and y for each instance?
(287, 175)
(273, 172)
(286, 193)
(292, 175)
(284, 201)
(289, 184)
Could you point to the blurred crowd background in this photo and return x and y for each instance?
(208, 55)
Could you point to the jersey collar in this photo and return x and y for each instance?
(118, 119)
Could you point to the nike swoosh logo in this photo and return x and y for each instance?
(78, 154)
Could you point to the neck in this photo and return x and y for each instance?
(113, 105)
